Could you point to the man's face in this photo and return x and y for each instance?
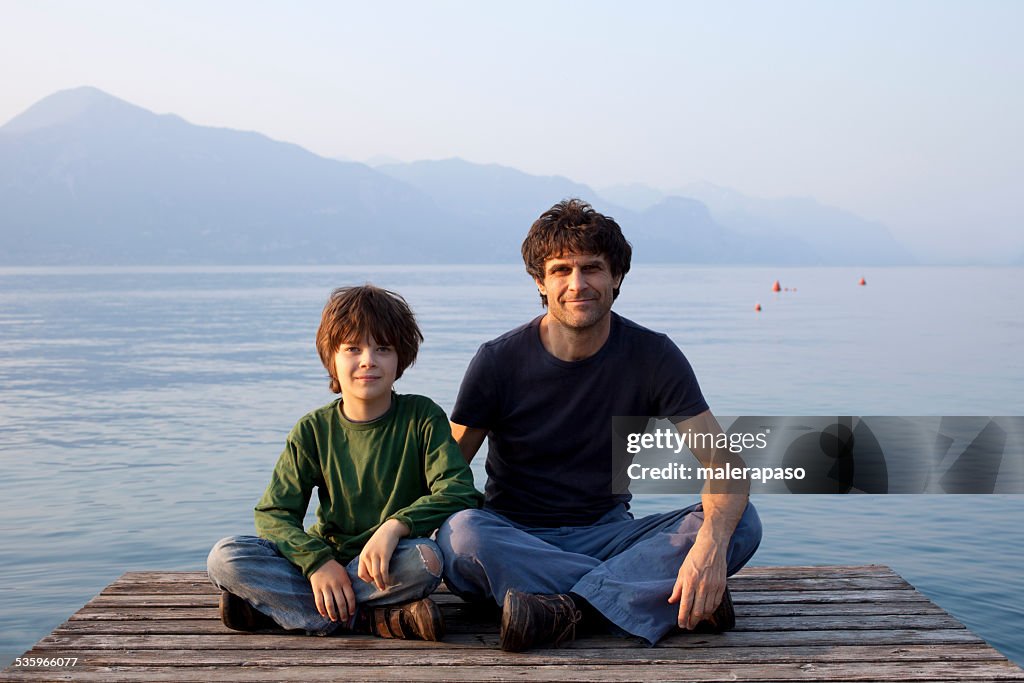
(579, 289)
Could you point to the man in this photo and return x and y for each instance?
(554, 545)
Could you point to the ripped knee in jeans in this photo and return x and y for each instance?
(430, 559)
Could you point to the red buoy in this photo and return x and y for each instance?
(757, 307)
(862, 282)
(776, 287)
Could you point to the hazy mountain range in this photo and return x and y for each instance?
(86, 178)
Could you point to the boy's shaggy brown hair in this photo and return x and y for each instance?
(353, 313)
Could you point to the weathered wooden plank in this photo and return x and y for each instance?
(828, 583)
(867, 622)
(454, 609)
(144, 613)
(822, 597)
(739, 598)
(172, 599)
(740, 584)
(543, 657)
(221, 638)
(788, 570)
(468, 614)
(197, 581)
(160, 588)
(898, 671)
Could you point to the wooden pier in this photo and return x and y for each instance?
(793, 624)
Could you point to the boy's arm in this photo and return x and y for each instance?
(282, 509)
(448, 476)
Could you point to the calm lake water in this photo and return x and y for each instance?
(142, 410)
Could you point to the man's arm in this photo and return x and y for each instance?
(469, 439)
(700, 583)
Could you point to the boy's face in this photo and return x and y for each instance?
(366, 371)
(579, 288)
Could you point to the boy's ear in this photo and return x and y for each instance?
(540, 286)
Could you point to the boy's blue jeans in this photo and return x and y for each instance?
(253, 569)
(624, 567)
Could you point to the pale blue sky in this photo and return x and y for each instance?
(904, 112)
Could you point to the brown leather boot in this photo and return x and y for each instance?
(420, 619)
(528, 620)
(239, 615)
(722, 619)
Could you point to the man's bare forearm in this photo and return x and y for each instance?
(722, 513)
(723, 500)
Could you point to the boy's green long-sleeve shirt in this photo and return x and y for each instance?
(405, 465)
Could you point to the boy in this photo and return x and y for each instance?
(388, 473)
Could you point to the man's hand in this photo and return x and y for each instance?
(376, 555)
(332, 590)
(700, 584)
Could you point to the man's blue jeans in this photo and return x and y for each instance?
(255, 571)
(624, 567)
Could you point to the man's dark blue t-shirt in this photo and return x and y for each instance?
(549, 421)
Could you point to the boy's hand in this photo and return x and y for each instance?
(332, 590)
(376, 555)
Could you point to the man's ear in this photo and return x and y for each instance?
(540, 286)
